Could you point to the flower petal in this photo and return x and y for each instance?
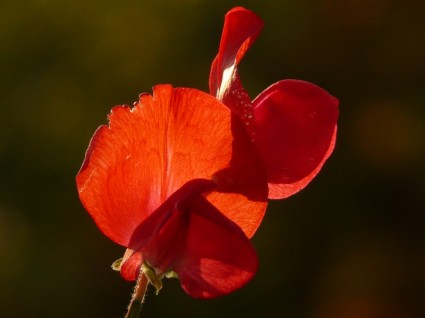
(241, 28)
(162, 235)
(282, 190)
(211, 254)
(295, 133)
(153, 226)
(148, 152)
(130, 265)
(219, 258)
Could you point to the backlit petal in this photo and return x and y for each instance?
(148, 152)
(295, 133)
(241, 28)
(284, 190)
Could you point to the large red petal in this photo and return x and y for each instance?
(157, 238)
(241, 28)
(211, 255)
(295, 133)
(148, 152)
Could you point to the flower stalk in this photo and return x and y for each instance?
(137, 299)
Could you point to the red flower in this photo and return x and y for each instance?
(292, 123)
(175, 183)
(182, 181)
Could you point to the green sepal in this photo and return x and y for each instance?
(116, 266)
(171, 274)
(152, 277)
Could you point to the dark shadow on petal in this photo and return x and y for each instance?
(247, 174)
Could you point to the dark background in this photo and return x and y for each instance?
(350, 245)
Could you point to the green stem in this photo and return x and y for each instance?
(138, 296)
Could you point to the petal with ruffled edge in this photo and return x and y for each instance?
(148, 152)
(295, 133)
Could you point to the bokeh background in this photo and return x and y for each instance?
(350, 245)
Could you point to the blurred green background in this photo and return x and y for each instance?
(350, 245)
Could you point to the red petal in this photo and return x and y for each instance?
(245, 213)
(295, 133)
(154, 225)
(130, 265)
(210, 253)
(241, 28)
(281, 191)
(159, 235)
(219, 258)
(150, 151)
(168, 245)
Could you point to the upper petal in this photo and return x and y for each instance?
(295, 133)
(241, 28)
(148, 152)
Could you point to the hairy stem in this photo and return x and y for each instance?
(138, 296)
